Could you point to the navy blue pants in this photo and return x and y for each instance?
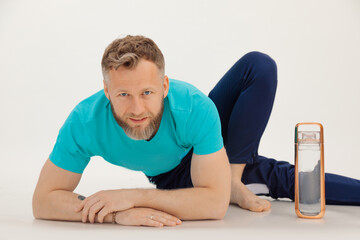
(244, 98)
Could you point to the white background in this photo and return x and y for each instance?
(50, 53)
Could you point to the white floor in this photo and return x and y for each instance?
(340, 222)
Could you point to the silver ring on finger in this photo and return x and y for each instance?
(152, 217)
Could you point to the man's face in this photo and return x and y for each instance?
(137, 98)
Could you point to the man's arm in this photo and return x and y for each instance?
(53, 198)
(209, 199)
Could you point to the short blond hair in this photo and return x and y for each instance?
(128, 51)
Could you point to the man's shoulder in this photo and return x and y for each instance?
(91, 107)
(196, 118)
(184, 96)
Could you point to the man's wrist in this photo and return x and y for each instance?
(139, 197)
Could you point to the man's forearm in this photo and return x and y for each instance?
(187, 203)
(208, 199)
(59, 205)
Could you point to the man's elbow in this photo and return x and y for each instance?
(221, 205)
(36, 206)
(36, 214)
(220, 211)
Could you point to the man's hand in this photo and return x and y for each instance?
(146, 217)
(105, 202)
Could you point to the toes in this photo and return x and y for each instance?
(260, 206)
(266, 205)
(255, 207)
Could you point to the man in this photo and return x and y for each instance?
(177, 136)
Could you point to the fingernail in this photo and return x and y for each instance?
(178, 221)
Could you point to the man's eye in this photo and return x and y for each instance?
(123, 94)
(147, 92)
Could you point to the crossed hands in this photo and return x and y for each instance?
(108, 201)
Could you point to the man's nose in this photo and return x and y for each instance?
(137, 106)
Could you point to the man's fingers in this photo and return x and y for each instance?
(85, 211)
(171, 218)
(103, 212)
(152, 223)
(82, 204)
(85, 201)
(163, 220)
(124, 218)
(167, 216)
(93, 210)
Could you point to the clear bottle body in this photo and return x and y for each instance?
(309, 170)
(309, 179)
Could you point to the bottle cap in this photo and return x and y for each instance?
(309, 137)
(309, 133)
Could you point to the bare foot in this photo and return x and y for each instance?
(243, 197)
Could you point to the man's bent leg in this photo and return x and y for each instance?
(244, 98)
(275, 178)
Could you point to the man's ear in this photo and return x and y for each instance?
(106, 91)
(166, 86)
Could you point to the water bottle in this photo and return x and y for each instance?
(309, 170)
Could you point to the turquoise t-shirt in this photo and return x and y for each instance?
(190, 119)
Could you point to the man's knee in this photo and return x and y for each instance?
(261, 60)
(264, 66)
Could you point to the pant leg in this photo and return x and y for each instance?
(244, 98)
(278, 176)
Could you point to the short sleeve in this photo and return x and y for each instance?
(70, 151)
(204, 127)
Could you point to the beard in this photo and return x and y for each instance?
(136, 133)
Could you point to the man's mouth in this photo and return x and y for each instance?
(141, 120)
